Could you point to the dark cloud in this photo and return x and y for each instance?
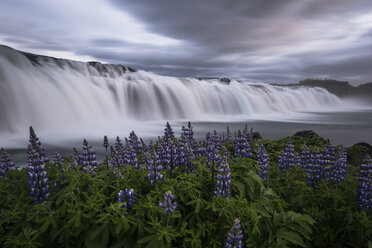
(270, 40)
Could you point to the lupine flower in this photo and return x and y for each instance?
(228, 135)
(248, 135)
(307, 163)
(223, 180)
(235, 237)
(127, 197)
(242, 146)
(115, 163)
(168, 154)
(6, 164)
(365, 184)
(340, 166)
(106, 145)
(133, 142)
(287, 158)
(88, 159)
(36, 144)
(185, 155)
(59, 161)
(317, 166)
(328, 162)
(75, 158)
(154, 168)
(130, 156)
(168, 134)
(36, 170)
(188, 133)
(212, 145)
(168, 204)
(263, 162)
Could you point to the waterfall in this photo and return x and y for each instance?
(50, 93)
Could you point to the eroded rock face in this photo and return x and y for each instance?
(357, 152)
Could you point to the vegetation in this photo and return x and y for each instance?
(182, 193)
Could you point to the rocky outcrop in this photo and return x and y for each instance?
(358, 152)
(309, 134)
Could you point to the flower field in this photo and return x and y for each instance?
(228, 190)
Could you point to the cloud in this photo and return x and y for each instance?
(268, 40)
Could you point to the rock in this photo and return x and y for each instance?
(357, 152)
(225, 80)
(309, 134)
(257, 135)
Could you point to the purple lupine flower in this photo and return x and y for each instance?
(75, 158)
(223, 179)
(59, 161)
(188, 133)
(127, 197)
(88, 159)
(365, 184)
(37, 176)
(36, 144)
(168, 133)
(115, 163)
(130, 156)
(340, 166)
(263, 162)
(242, 146)
(307, 163)
(317, 166)
(168, 153)
(106, 145)
(36, 170)
(185, 155)
(168, 204)
(228, 135)
(133, 142)
(235, 237)
(287, 158)
(6, 164)
(212, 145)
(248, 135)
(154, 167)
(328, 162)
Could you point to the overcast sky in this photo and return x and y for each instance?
(268, 40)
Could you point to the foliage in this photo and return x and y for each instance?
(84, 210)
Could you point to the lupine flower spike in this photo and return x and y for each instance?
(6, 164)
(88, 159)
(106, 145)
(263, 162)
(287, 158)
(235, 237)
(365, 184)
(154, 167)
(127, 197)
(223, 183)
(168, 204)
(59, 161)
(340, 166)
(36, 170)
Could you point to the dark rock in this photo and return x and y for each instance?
(357, 152)
(309, 134)
(131, 69)
(257, 135)
(225, 80)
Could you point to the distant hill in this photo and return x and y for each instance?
(340, 88)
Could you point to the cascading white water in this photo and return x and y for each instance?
(47, 92)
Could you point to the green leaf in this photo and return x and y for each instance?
(292, 237)
(148, 239)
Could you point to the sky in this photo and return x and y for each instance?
(266, 40)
